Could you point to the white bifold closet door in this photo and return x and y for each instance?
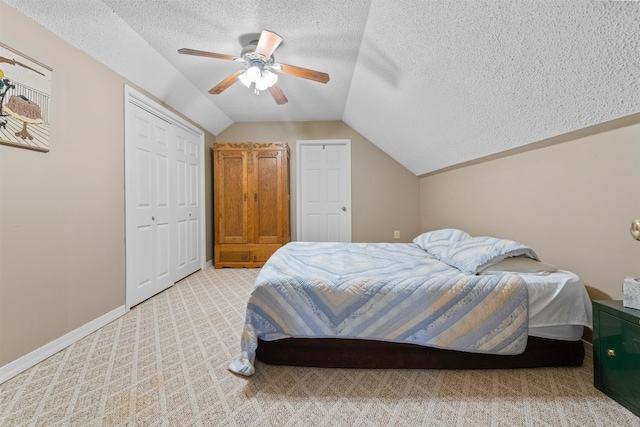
(163, 180)
(188, 203)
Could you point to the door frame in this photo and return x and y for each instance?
(132, 99)
(299, 144)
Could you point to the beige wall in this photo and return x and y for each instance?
(62, 261)
(384, 193)
(572, 202)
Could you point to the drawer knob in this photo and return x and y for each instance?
(611, 353)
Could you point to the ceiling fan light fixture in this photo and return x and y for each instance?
(267, 80)
(254, 74)
(244, 79)
(258, 59)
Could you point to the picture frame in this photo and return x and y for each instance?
(25, 99)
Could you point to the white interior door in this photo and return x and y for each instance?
(188, 221)
(149, 223)
(164, 198)
(324, 190)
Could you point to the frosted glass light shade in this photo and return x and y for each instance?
(268, 79)
(254, 74)
(244, 79)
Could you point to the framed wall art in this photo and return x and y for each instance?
(25, 97)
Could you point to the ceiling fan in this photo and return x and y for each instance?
(259, 63)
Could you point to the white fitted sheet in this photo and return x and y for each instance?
(559, 305)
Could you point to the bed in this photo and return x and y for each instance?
(447, 301)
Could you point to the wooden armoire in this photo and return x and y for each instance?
(250, 202)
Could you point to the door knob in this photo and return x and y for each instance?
(153, 218)
(344, 208)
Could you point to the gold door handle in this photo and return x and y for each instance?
(611, 353)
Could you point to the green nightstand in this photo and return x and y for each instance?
(616, 352)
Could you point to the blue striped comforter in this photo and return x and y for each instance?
(383, 291)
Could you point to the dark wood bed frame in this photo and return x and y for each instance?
(354, 353)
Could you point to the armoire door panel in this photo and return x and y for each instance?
(267, 190)
(231, 197)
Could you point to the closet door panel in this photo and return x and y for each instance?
(187, 202)
(163, 198)
(149, 216)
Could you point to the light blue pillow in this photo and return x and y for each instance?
(476, 253)
(437, 241)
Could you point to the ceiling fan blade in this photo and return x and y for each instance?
(305, 73)
(186, 51)
(278, 95)
(217, 89)
(268, 43)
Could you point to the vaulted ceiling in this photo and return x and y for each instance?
(432, 83)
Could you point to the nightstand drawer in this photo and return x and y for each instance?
(620, 356)
(616, 351)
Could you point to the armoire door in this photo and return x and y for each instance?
(268, 196)
(251, 202)
(231, 196)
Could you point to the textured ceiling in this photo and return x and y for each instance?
(432, 83)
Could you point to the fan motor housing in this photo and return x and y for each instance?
(255, 59)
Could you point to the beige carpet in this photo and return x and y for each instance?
(165, 363)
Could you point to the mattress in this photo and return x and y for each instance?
(559, 306)
(559, 310)
(309, 275)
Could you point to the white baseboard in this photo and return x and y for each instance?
(12, 369)
(209, 263)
